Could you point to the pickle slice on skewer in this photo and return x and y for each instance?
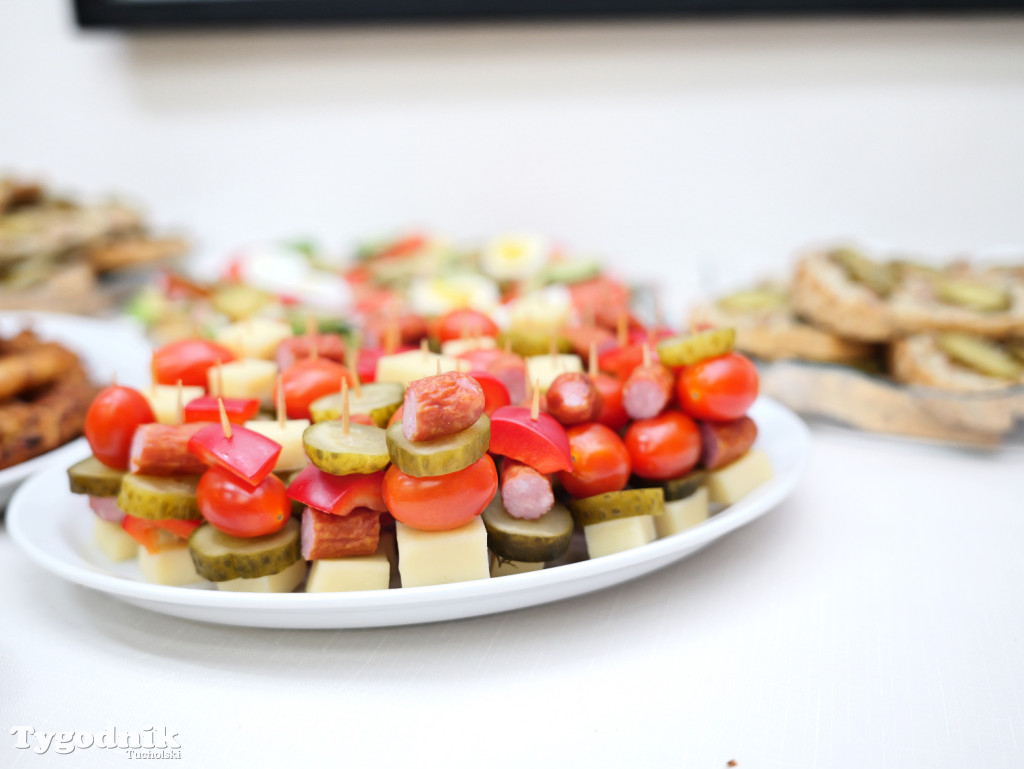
(687, 350)
(981, 355)
(153, 497)
(378, 400)
(615, 505)
(90, 476)
(219, 557)
(363, 449)
(542, 539)
(441, 456)
(676, 488)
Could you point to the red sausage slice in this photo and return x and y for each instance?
(647, 391)
(337, 536)
(159, 449)
(725, 442)
(441, 405)
(573, 398)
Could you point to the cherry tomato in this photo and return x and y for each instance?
(621, 361)
(443, 501)
(308, 379)
(719, 388)
(464, 323)
(157, 535)
(188, 360)
(666, 446)
(613, 413)
(110, 423)
(241, 510)
(600, 461)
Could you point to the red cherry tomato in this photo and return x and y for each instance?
(600, 461)
(110, 423)
(621, 361)
(465, 323)
(308, 379)
(613, 413)
(719, 388)
(666, 446)
(188, 360)
(157, 535)
(241, 510)
(444, 501)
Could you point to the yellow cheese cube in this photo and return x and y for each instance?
(405, 367)
(246, 378)
(356, 572)
(731, 483)
(163, 399)
(501, 568)
(440, 557)
(172, 566)
(614, 536)
(282, 582)
(682, 514)
(455, 347)
(546, 367)
(293, 453)
(254, 338)
(114, 541)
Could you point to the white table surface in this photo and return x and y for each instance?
(875, 619)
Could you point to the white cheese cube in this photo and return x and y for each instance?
(614, 536)
(293, 453)
(682, 514)
(163, 399)
(546, 367)
(455, 347)
(246, 378)
(282, 582)
(172, 566)
(501, 568)
(440, 557)
(254, 338)
(355, 572)
(731, 483)
(408, 366)
(114, 541)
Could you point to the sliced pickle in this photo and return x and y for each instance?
(686, 350)
(982, 355)
(615, 505)
(514, 539)
(880, 278)
(529, 342)
(90, 476)
(676, 488)
(972, 295)
(754, 300)
(219, 557)
(378, 400)
(150, 496)
(424, 459)
(362, 450)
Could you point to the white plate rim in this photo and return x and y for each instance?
(668, 550)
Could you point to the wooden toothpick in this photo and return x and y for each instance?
(535, 403)
(282, 412)
(181, 404)
(220, 379)
(647, 354)
(344, 405)
(225, 423)
(622, 329)
(592, 359)
(439, 367)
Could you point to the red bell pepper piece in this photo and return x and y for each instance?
(205, 409)
(542, 443)
(621, 361)
(160, 534)
(495, 393)
(245, 454)
(337, 494)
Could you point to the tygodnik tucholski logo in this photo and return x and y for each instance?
(149, 742)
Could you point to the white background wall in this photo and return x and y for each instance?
(654, 143)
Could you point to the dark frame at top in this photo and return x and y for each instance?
(213, 13)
